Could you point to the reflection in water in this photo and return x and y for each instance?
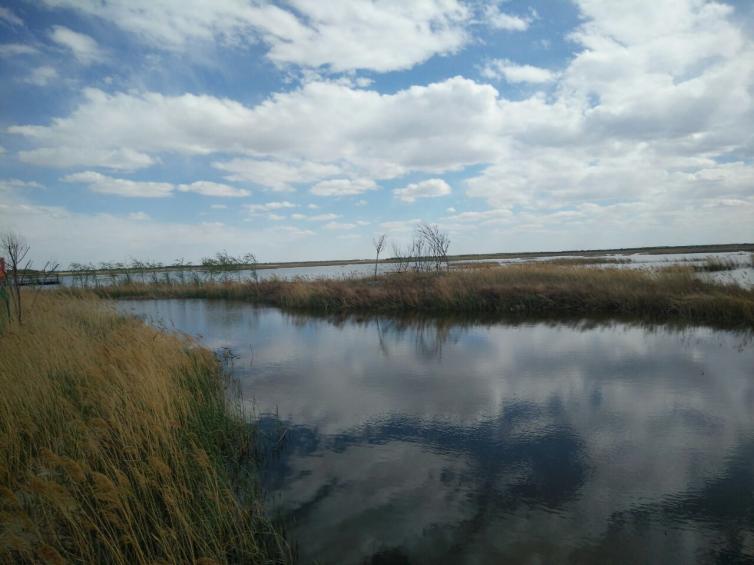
(448, 442)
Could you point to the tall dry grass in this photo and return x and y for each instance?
(542, 289)
(118, 446)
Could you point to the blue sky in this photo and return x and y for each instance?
(300, 130)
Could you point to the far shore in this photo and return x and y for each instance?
(658, 250)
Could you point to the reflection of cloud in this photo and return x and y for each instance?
(516, 443)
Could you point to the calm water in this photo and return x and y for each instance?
(400, 442)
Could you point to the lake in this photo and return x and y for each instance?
(419, 441)
(743, 275)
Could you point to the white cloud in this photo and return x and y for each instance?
(512, 72)
(83, 47)
(41, 76)
(14, 49)
(277, 175)
(496, 19)
(315, 218)
(343, 187)
(65, 157)
(304, 135)
(12, 184)
(9, 17)
(121, 187)
(262, 208)
(207, 188)
(218, 206)
(430, 188)
(340, 35)
(340, 226)
(139, 216)
(275, 217)
(651, 116)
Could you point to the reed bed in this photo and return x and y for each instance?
(119, 446)
(717, 264)
(671, 294)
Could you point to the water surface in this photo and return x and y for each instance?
(439, 442)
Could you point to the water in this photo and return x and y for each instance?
(743, 276)
(439, 442)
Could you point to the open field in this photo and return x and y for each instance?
(119, 445)
(541, 289)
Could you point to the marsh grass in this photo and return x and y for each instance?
(119, 446)
(717, 264)
(674, 294)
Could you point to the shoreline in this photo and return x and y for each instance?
(673, 294)
(656, 250)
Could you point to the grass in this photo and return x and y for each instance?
(718, 264)
(119, 445)
(673, 294)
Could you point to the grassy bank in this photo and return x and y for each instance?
(673, 294)
(119, 446)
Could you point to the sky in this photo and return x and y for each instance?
(301, 129)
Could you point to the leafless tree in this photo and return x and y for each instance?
(17, 249)
(379, 245)
(436, 242)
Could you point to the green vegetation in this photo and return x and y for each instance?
(119, 445)
(539, 289)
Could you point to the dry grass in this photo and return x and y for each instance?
(716, 264)
(118, 445)
(673, 294)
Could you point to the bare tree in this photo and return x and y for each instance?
(437, 243)
(17, 249)
(379, 245)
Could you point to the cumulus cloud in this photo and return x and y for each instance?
(316, 218)
(497, 19)
(343, 187)
(340, 35)
(651, 118)
(84, 48)
(496, 69)
(304, 134)
(269, 206)
(98, 182)
(207, 188)
(276, 175)
(104, 184)
(431, 188)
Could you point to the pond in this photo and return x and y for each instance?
(418, 441)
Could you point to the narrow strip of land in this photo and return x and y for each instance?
(551, 290)
(660, 250)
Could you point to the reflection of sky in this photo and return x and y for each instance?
(478, 443)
